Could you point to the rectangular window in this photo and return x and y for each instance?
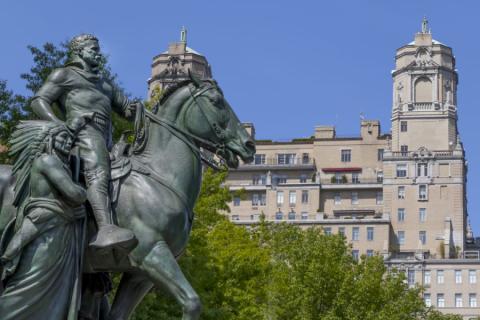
(279, 215)
(291, 215)
(286, 158)
(279, 179)
(305, 158)
(346, 155)
(440, 277)
(422, 192)
(263, 199)
(422, 170)
(472, 276)
(380, 176)
(304, 196)
(259, 159)
(255, 199)
(403, 126)
(259, 180)
(401, 192)
(411, 277)
(303, 178)
(422, 236)
(369, 253)
(401, 170)
(370, 233)
(235, 217)
(404, 150)
(401, 237)
(458, 300)
(304, 215)
(379, 197)
(279, 198)
(236, 201)
(341, 231)
(355, 255)
(380, 154)
(458, 276)
(422, 214)
(292, 198)
(355, 233)
(355, 177)
(337, 198)
(440, 300)
(427, 299)
(401, 214)
(472, 300)
(255, 217)
(427, 278)
(354, 197)
(338, 177)
(327, 230)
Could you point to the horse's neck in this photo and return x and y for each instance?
(172, 159)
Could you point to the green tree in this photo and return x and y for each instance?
(11, 111)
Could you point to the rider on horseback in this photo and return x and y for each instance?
(87, 99)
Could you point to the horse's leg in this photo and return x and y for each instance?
(132, 289)
(164, 272)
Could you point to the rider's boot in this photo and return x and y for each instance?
(108, 235)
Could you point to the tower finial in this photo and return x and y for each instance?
(425, 25)
(183, 35)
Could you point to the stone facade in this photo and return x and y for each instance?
(401, 195)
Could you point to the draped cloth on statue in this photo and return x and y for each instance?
(42, 281)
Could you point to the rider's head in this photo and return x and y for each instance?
(87, 48)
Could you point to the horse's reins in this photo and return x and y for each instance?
(183, 134)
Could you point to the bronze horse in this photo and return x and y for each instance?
(156, 198)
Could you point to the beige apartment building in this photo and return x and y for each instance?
(401, 195)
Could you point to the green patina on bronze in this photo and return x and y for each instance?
(156, 182)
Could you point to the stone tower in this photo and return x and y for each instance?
(424, 100)
(172, 65)
(424, 165)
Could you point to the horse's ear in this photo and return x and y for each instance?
(196, 81)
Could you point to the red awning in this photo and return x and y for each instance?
(333, 170)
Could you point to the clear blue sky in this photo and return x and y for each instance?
(284, 65)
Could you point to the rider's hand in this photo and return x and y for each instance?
(132, 108)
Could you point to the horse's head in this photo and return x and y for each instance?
(211, 118)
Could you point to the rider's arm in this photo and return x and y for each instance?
(121, 104)
(50, 91)
(53, 170)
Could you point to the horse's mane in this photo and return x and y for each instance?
(171, 89)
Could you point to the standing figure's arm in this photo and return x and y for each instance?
(53, 170)
(50, 91)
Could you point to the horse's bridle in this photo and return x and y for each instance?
(187, 137)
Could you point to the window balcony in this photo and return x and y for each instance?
(276, 163)
(345, 183)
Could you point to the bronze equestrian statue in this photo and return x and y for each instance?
(155, 182)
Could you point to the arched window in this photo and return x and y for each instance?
(423, 90)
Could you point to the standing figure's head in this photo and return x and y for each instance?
(30, 140)
(86, 48)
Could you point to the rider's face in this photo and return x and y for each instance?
(91, 53)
